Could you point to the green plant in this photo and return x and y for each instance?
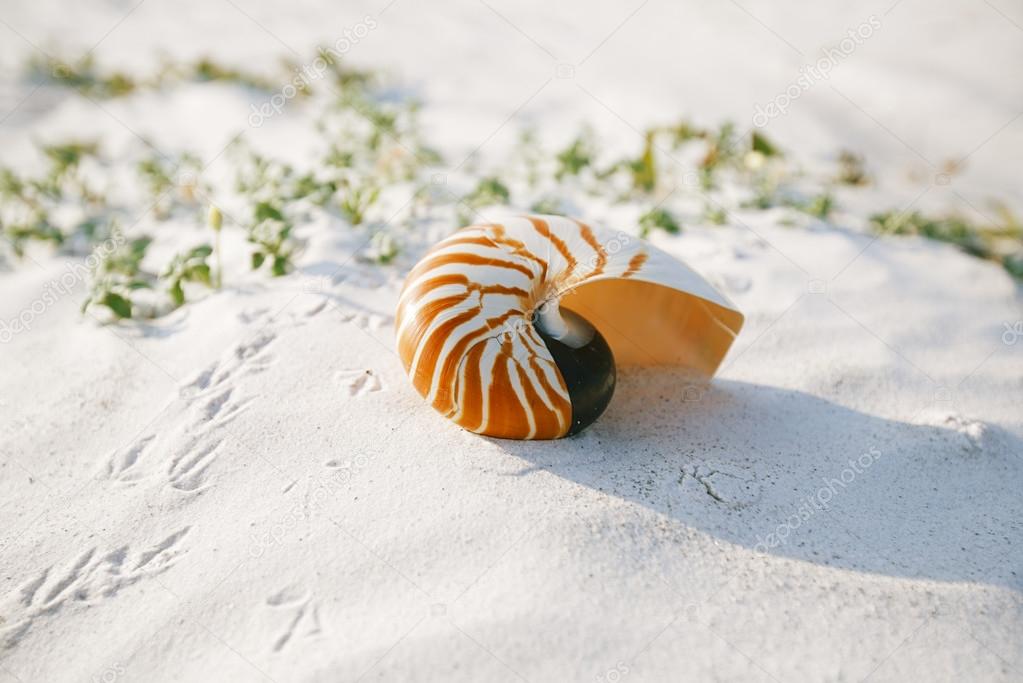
(171, 182)
(31, 208)
(384, 247)
(658, 218)
(119, 274)
(546, 205)
(530, 155)
(851, 170)
(82, 75)
(205, 69)
(644, 172)
(721, 151)
(715, 215)
(36, 228)
(683, 132)
(190, 266)
(574, 158)
(760, 143)
(357, 200)
(999, 242)
(489, 191)
(819, 206)
(270, 233)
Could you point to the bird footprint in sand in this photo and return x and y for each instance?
(359, 382)
(300, 614)
(91, 577)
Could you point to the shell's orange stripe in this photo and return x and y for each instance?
(431, 262)
(519, 248)
(591, 240)
(448, 376)
(469, 393)
(502, 289)
(507, 417)
(548, 426)
(635, 263)
(432, 343)
(481, 240)
(434, 282)
(545, 231)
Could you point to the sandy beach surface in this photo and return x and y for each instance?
(250, 489)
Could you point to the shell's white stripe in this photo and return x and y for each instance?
(490, 354)
(549, 369)
(461, 388)
(411, 293)
(435, 294)
(522, 230)
(537, 384)
(438, 321)
(512, 368)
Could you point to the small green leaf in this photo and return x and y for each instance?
(201, 252)
(658, 218)
(763, 145)
(280, 266)
(139, 245)
(257, 259)
(200, 273)
(264, 211)
(118, 304)
(177, 293)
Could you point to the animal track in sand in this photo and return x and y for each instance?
(252, 315)
(90, 578)
(359, 382)
(188, 436)
(728, 486)
(247, 357)
(366, 321)
(304, 618)
(316, 309)
(187, 471)
(121, 465)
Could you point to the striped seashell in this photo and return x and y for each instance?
(513, 329)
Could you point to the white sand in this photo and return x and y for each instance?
(249, 488)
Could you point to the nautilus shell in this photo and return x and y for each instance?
(514, 329)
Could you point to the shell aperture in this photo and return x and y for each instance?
(587, 366)
(513, 329)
